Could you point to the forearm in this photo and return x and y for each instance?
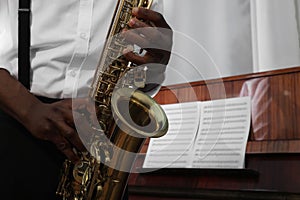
(15, 99)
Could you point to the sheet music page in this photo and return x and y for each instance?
(174, 149)
(223, 134)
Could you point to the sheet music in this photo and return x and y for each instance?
(210, 134)
(174, 149)
(223, 134)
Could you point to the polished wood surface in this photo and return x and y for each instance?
(272, 167)
(275, 105)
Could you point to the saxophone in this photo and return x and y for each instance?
(102, 172)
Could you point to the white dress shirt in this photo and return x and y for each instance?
(66, 40)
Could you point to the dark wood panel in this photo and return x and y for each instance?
(244, 77)
(275, 104)
(158, 193)
(263, 172)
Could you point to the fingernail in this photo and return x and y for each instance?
(128, 49)
(135, 10)
(132, 22)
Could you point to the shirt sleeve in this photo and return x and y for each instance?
(8, 36)
(157, 6)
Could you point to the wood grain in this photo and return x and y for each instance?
(275, 103)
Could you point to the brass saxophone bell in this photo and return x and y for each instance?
(138, 114)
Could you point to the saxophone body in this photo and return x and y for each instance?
(103, 171)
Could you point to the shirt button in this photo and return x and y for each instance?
(73, 73)
(83, 36)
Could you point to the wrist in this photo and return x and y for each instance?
(26, 108)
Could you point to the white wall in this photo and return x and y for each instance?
(275, 25)
(219, 38)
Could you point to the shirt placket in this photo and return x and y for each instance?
(81, 47)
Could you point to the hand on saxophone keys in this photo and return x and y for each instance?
(150, 31)
(56, 123)
(150, 41)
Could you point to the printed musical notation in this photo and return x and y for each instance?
(210, 134)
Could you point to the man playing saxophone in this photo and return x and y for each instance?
(37, 124)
